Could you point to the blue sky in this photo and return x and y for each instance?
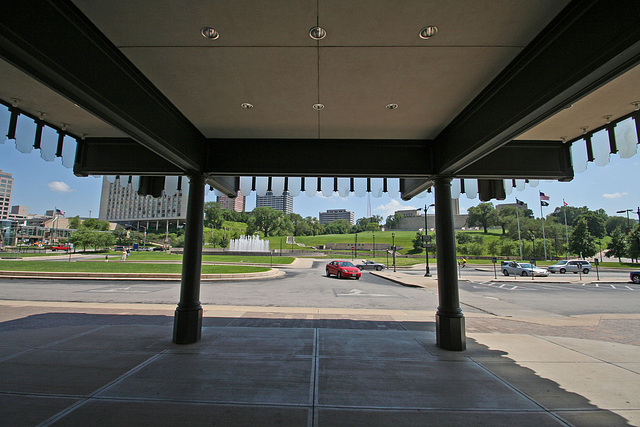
(42, 185)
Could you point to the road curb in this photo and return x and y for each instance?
(273, 273)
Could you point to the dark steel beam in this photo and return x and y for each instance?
(586, 45)
(53, 42)
(319, 157)
(411, 187)
(124, 156)
(119, 156)
(524, 160)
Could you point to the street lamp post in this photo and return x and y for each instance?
(426, 242)
(393, 248)
(374, 245)
(533, 240)
(144, 241)
(356, 246)
(628, 221)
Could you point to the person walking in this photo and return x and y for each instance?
(124, 255)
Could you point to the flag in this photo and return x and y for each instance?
(543, 196)
(59, 212)
(543, 203)
(519, 202)
(565, 203)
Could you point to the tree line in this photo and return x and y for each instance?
(585, 229)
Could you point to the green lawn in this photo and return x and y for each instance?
(119, 267)
(163, 256)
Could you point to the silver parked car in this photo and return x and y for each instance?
(522, 269)
(370, 265)
(570, 266)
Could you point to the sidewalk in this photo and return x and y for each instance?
(114, 364)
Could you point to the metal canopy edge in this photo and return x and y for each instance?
(70, 55)
(567, 60)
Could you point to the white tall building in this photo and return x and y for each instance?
(123, 205)
(282, 203)
(6, 188)
(336, 214)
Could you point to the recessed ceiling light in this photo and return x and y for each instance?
(246, 105)
(317, 33)
(318, 106)
(391, 106)
(209, 33)
(428, 32)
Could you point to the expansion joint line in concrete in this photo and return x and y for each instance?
(95, 393)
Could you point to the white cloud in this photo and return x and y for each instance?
(391, 207)
(614, 195)
(59, 187)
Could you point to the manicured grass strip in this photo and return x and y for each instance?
(162, 256)
(119, 267)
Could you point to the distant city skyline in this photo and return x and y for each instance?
(43, 186)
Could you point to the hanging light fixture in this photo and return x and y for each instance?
(317, 33)
(209, 33)
(428, 32)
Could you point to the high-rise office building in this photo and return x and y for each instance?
(6, 188)
(123, 205)
(282, 203)
(335, 214)
(237, 204)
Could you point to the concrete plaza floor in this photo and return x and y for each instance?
(115, 364)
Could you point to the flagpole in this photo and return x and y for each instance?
(519, 238)
(566, 228)
(544, 240)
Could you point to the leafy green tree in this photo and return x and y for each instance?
(595, 223)
(74, 223)
(462, 238)
(581, 241)
(95, 224)
(572, 213)
(617, 247)
(417, 242)
(316, 227)
(504, 216)
(393, 221)
(213, 215)
(339, 226)
(483, 215)
(633, 243)
(264, 219)
(616, 222)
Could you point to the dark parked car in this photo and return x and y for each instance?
(343, 269)
(370, 265)
(635, 277)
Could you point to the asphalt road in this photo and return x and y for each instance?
(311, 288)
(299, 288)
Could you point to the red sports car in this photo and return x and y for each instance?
(60, 248)
(343, 269)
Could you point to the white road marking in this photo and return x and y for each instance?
(630, 288)
(358, 292)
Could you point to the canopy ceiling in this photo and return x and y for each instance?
(496, 71)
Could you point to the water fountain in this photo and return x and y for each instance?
(249, 245)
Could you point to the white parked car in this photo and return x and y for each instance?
(522, 269)
(571, 266)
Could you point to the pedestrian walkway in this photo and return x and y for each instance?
(114, 364)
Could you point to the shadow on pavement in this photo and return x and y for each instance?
(268, 369)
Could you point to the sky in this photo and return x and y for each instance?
(43, 186)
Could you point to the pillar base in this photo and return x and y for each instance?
(187, 326)
(450, 333)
